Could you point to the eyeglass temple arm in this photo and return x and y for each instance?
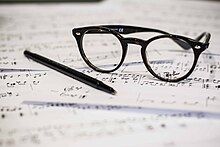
(123, 29)
(132, 29)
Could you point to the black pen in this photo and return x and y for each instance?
(70, 72)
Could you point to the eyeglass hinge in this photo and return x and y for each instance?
(78, 33)
(197, 47)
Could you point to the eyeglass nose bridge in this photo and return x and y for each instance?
(136, 41)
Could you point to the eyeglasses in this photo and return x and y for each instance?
(168, 57)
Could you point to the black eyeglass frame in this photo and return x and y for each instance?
(117, 30)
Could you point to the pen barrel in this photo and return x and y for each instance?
(70, 72)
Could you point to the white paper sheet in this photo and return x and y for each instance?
(189, 109)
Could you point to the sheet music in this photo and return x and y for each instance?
(187, 107)
(39, 125)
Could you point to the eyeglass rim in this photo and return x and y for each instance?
(117, 35)
(146, 63)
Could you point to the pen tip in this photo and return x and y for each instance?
(114, 92)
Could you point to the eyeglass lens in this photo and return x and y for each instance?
(168, 59)
(104, 51)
